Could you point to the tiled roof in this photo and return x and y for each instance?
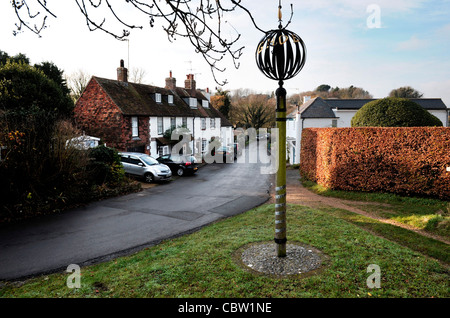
(316, 108)
(323, 108)
(347, 103)
(427, 103)
(139, 100)
(224, 122)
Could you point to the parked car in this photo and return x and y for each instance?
(237, 150)
(179, 164)
(227, 154)
(144, 166)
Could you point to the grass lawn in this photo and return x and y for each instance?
(427, 214)
(201, 264)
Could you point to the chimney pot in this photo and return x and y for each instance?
(171, 82)
(122, 72)
(189, 83)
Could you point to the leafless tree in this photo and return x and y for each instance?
(200, 21)
(254, 111)
(77, 82)
(137, 75)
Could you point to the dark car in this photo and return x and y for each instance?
(227, 154)
(179, 164)
(237, 150)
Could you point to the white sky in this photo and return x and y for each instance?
(411, 46)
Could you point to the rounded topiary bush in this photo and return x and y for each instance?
(393, 112)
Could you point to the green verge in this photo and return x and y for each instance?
(427, 214)
(201, 264)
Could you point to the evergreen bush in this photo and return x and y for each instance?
(105, 166)
(394, 112)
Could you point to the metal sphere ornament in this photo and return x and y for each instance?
(281, 54)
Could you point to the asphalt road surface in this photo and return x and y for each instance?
(119, 226)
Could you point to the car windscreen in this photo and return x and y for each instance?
(149, 160)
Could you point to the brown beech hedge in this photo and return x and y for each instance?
(407, 161)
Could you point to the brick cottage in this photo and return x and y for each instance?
(133, 117)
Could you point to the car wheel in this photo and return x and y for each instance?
(148, 177)
(180, 172)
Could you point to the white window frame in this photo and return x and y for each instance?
(205, 104)
(173, 122)
(134, 127)
(212, 123)
(193, 102)
(204, 145)
(170, 99)
(334, 123)
(158, 97)
(203, 123)
(160, 125)
(184, 122)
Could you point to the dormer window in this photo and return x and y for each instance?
(205, 104)
(158, 97)
(192, 102)
(170, 99)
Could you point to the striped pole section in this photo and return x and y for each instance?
(280, 190)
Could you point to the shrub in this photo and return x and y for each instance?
(38, 172)
(23, 86)
(393, 112)
(41, 174)
(105, 166)
(406, 161)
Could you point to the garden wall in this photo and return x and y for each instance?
(406, 161)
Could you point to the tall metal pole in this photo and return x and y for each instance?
(280, 55)
(280, 195)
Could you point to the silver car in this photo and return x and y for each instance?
(144, 166)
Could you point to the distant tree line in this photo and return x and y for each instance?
(351, 92)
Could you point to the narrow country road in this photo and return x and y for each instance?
(114, 227)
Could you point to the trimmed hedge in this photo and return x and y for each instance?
(401, 160)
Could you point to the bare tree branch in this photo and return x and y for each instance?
(200, 21)
(77, 82)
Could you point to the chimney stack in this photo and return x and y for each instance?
(171, 82)
(189, 83)
(122, 73)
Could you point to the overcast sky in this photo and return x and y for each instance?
(377, 45)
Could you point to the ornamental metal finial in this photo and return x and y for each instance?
(281, 54)
(280, 16)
